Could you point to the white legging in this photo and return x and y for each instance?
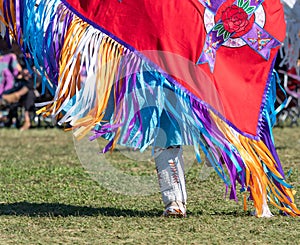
(170, 171)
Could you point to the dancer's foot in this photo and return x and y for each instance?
(266, 212)
(175, 209)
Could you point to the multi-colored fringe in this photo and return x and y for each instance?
(62, 45)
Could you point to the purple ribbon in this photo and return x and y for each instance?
(212, 5)
(260, 41)
(214, 40)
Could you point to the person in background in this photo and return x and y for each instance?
(9, 68)
(22, 94)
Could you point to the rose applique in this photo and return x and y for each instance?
(235, 19)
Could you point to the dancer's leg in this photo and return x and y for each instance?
(170, 170)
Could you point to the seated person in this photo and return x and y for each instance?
(22, 93)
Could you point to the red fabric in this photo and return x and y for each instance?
(237, 84)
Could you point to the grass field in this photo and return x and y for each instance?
(47, 197)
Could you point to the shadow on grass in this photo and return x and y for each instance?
(233, 213)
(221, 213)
(64, 210)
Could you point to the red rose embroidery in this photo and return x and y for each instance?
(235, 19)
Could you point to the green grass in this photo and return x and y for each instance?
(47, 197)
